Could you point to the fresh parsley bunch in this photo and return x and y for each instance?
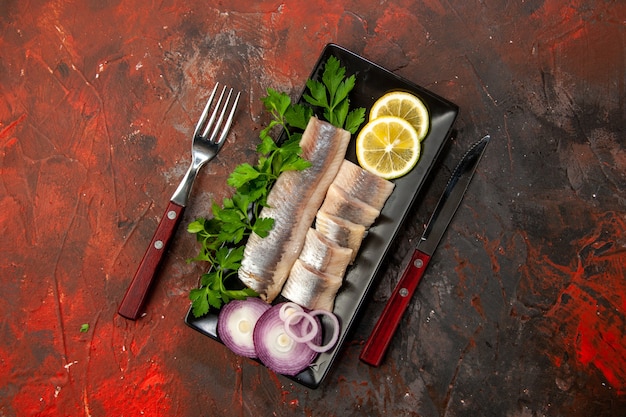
(331, 95)
(222, 238)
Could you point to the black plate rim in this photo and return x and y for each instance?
(313, 376)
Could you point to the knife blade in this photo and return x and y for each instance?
(384, 329)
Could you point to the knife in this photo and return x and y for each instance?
(376, 345)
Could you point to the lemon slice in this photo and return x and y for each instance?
(404, 105)
(388, 146)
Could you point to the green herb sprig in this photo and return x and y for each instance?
(222, 238)
(331, 94)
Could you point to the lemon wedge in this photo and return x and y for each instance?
(388, 146)
(406, 106)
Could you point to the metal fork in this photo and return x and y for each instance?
(208, 138)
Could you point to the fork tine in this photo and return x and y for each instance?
(229, 120)
(218, 125)
(205, 112)
(209, 124)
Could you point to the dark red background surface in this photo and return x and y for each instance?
(523, 309)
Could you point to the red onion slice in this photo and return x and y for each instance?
(288, 308)
(276, 349)
(315, 345)
(236, 323)
(309, 323)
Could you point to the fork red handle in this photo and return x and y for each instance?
(146, 272)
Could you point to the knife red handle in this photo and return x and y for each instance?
(146, 272)
(376, 345)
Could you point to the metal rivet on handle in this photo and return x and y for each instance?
(418, 263)
(158, 244)
(171, 214)
(404, 292)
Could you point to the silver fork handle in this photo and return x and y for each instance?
(181, 195)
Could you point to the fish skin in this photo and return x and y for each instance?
(317, 274)
(352, 204)
(311, 288)
(293, 203)
(324, 255)
(339, 203)
(363, 185)
(341, 231)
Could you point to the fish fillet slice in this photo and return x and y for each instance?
(311, 288)
(362, 184)
(341, 231)
(324, 255)
(340, 204)
(293, 202)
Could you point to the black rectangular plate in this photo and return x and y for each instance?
(372, 81)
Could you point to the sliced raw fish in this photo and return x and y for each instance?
(293, 202)
(311, 288)
(323, 254)
(362, 184)
(339, 203)
(341, 231)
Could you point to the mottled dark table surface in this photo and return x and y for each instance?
(523, 309)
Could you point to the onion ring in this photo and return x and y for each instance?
(310, 320)
(335, 336)
(283, 312)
